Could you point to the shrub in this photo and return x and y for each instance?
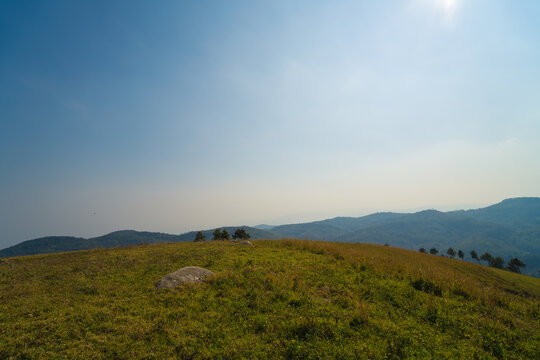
(427, 286)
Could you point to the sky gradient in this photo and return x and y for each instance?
(180, 115)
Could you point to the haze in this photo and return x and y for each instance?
(180, 115)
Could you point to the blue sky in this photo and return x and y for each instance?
(178, 115)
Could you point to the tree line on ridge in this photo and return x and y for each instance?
(239, 234)
(513, 265)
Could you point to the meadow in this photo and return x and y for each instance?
(277, 299)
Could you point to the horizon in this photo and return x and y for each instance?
(442, 209)
(190, 115)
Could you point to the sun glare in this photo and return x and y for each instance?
(448, 6)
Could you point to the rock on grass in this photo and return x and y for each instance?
(188, 274)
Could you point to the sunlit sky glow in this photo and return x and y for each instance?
(449, 6)
(197, 114)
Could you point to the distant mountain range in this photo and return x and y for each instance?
(508, 229)
(54, 244)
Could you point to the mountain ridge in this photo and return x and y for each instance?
(55, 244)
(510, 228)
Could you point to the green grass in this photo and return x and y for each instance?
(277, 299)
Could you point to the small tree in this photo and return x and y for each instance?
(422, 250)
(486, 257)
(225, 235)
(451, 252)
(200, 236)
(433, 251)
(497, 262)
(241, 234)
(515, 264)
(474, 255)
(460, 254)
(217, 234)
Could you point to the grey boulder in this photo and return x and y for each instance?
(188, 274)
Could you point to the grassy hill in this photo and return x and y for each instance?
(277, 299)
(508, 229)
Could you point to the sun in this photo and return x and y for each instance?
(446, 9)
(448, 6)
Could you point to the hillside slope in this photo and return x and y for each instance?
(508, 229)
(276, 299)
(432, 228)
